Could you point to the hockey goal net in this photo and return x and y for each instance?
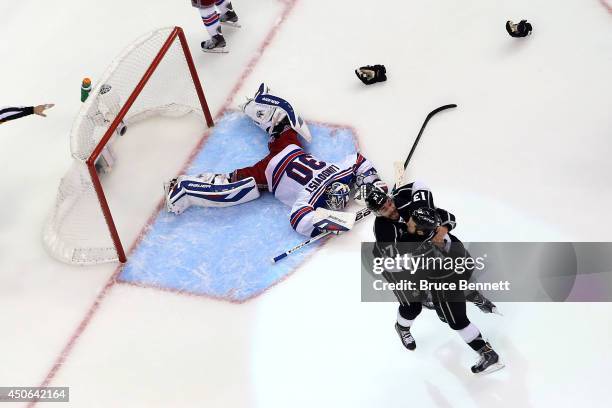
(154, 77)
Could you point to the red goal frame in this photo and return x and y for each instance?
(90, 162)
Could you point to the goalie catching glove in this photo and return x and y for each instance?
(371, 74)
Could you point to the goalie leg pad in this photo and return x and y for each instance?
(268, 110)
(295, 120)
(190, 191)
(265, 116)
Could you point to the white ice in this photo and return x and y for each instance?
(526, 156)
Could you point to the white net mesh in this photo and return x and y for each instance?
(76, 231)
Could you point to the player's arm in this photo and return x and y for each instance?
(15, 112)
(411, 196)
(386, 233)
(365, 173)
(447, 223)
(302, 219)
(311, 221)
(421, 195)
(447, 219)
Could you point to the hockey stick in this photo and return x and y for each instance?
(399, 178)
(361, 214)
(364, 212)
(429, 116)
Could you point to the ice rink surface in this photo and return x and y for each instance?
(526, 156)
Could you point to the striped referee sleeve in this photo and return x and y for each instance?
(15, 112)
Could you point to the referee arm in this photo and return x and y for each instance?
(15, 112)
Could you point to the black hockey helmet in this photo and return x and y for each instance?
(426, 219)
(375, 198)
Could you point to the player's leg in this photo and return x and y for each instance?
(274, 114)
(456, 317)
(409, 308)
(475, 297)
(406, 314)
(271, 119)
(481, 302)
(228, 15)
(208, 190)
(279, 141)
(212, 22)
(256, 171)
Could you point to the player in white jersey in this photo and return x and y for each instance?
(295, 177)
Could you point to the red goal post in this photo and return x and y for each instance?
(153, 76)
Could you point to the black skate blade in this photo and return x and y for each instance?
(231, 24)
(496, 311)
(492, 368)
(223, 50)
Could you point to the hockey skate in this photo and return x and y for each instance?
(169, 188)
(484, 304)
(216, 44)
(405, 336)
(230, 18)
(488, 362)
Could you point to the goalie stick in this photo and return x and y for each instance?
(361, 214)
(364, 212)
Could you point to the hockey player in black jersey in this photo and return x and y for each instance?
(409, 215)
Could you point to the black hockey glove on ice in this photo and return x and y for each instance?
(522, 29)
(371, 74)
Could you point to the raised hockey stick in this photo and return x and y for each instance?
(361, 214)
(399, 177)
(429, 116)
(364, 212)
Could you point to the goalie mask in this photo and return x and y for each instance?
(337, 196)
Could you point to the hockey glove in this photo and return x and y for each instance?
(522, 29)
(335, 222)
(371, 74)
(364, 190)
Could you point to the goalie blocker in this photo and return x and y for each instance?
(333, 221)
